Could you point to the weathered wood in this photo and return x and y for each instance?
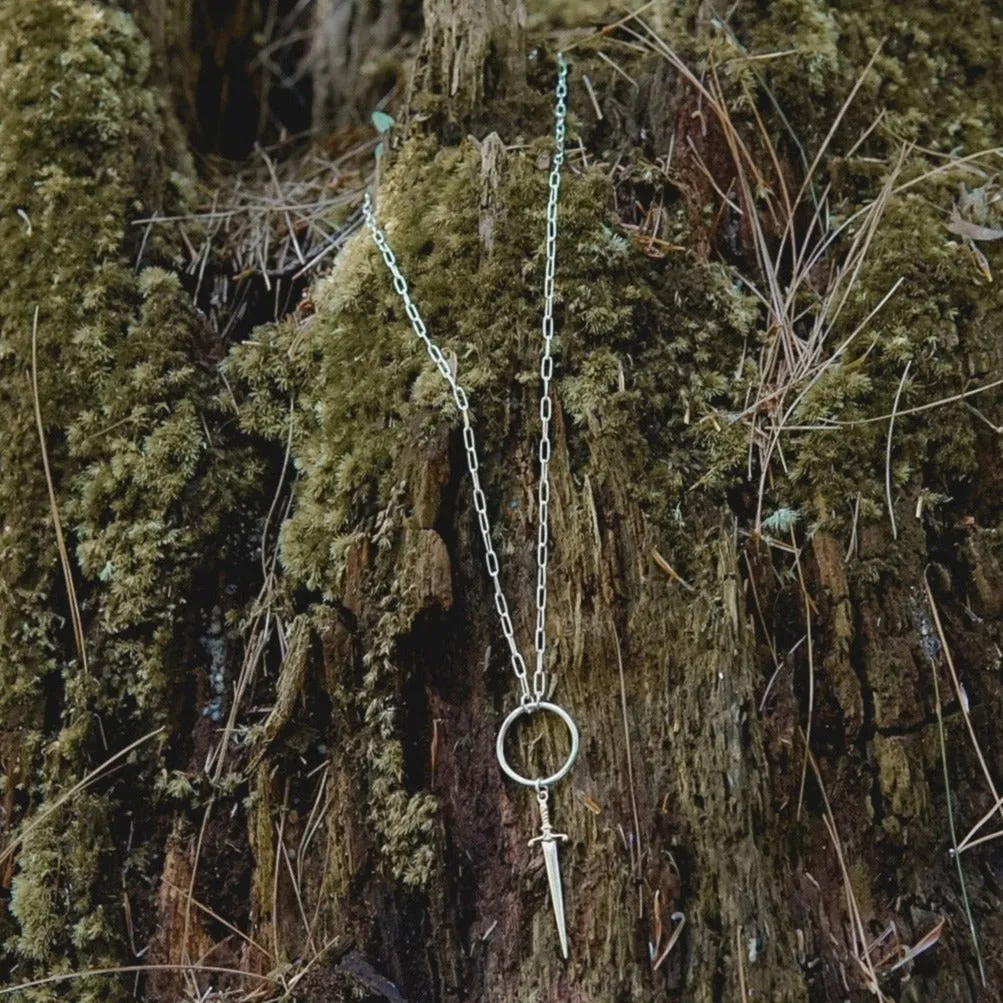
(472, 50)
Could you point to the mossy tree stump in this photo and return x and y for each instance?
(335, 825)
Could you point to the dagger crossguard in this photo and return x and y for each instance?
(547, 834)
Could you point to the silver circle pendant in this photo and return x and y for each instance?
(532, 708)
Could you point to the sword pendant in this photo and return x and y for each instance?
(548, 843)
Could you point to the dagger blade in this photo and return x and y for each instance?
(556, 892)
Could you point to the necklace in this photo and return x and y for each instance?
(532, 699)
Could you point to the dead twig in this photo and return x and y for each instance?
(671, 571)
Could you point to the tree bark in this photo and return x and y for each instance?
(775, 588)
(471, 53)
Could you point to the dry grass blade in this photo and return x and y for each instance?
(860, 246)
(297, 892)
(969, 842)
(190, 895)
(677, 931)
(279, 219)
(321, 895)
(626, 740)
(608, 29)
(318, 813)
(290, 229)
(857, 928)
(276, 870)
(742, 984)
(90, 778)
(921, 945)
(940, 402)
(50, 980)
(768, 635)
(671, 571)
(305, 970)
(64, 557)
(264, 628)
(266, 566)
(840, 115)
(970, 839)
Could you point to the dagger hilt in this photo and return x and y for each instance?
(547, 834)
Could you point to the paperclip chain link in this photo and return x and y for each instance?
(536, 694)
(546, 374)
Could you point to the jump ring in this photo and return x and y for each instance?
(532, 708)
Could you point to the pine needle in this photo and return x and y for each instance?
(947, 792)
(888, 452)
(811, 674)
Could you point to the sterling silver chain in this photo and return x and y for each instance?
(534, 696)
(532, 701)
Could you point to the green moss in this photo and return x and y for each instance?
(408, 825)
(373, 391)
(942, 321)
(143, 475)
(656, 358)
(58, 930)
(70, 81)
(140, 525)
(76, 115)
(154, 481)
(935, 79)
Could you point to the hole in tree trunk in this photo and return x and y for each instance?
(252, 84)
(264, 70)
